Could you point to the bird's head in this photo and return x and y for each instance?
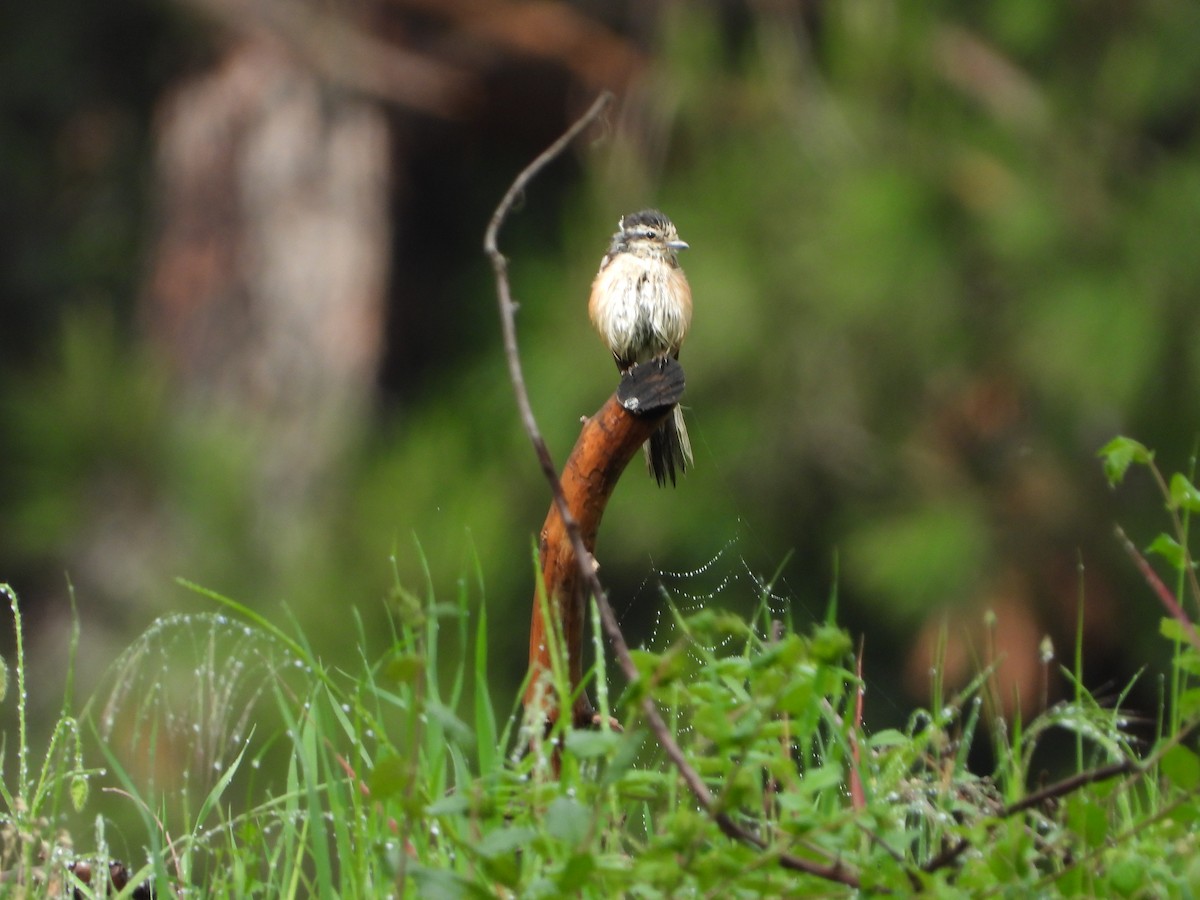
(648, 234)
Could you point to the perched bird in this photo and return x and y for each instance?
(641, 305)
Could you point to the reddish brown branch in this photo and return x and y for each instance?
(1164, 595)
(608, 441)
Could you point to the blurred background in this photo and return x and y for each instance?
(941, 253)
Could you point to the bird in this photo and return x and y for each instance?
(641, 306)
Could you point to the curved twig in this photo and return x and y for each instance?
(508, 314)
(836, 871)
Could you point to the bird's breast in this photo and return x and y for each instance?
(641, 308)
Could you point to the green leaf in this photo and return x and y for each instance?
(1169, 549)
(450, 805)
(405, 668)
(79, 792)
(1087, 819)
(455, 727)
(797, 696)
(823, 778)
(711, 626)
(389, 776)
(436, 884)
(505, 840)
(1181, 767)
(504, 869)
(642, 784)
(788, 652)
(1184, 494)
(1119, 454)
(591, 744)
(830, 644)
(490, 757)
(889, 737)
(622, 761)
(1127, 875)
(645, 661)
(568, 821)
(662, 668)
(577, 871)
(1189, 703)
(1188, 661)
(1173, 630)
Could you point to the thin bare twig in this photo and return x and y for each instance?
(508, 320)
(1069, 785)
(1037, 798)
(836, 871)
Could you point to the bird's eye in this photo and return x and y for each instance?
(649, 235)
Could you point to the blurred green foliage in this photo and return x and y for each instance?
(940, 255)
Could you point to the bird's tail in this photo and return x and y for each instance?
(669, 449)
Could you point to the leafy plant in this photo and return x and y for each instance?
(401, 777)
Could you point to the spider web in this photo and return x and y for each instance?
(727, 580)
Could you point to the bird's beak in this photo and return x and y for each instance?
(678, 245)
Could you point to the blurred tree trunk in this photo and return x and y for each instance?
(267, 285)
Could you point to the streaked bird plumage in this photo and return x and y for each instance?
(641, 305)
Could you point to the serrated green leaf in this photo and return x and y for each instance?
(1184, 494)
(1119, 454)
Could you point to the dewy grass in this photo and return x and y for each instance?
(32, 805)
(306, 781)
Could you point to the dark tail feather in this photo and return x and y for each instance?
(669, 449)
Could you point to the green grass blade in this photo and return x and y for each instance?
(485, 715)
